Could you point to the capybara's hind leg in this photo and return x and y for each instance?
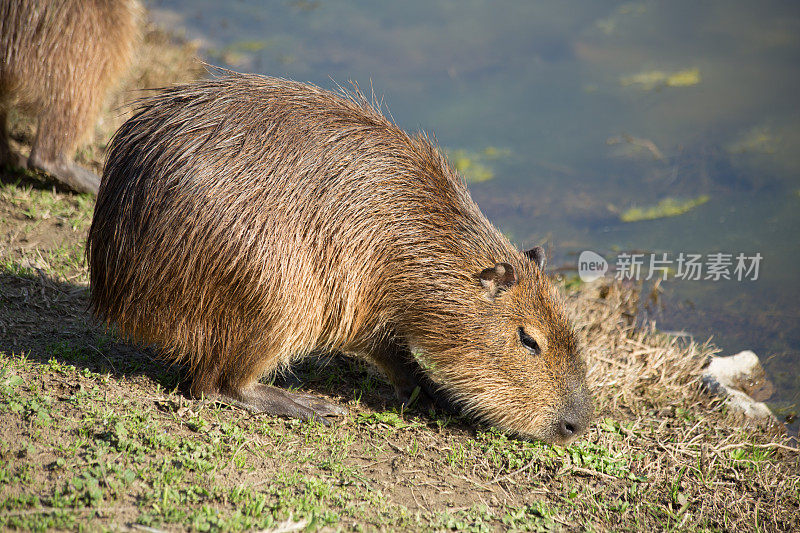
(51, 151)
(242, 389)
(260, 398)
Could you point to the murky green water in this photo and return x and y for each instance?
(573, 112)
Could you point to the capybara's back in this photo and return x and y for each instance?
(57, 60)
(245, 221)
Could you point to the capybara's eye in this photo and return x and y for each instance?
(528, 342)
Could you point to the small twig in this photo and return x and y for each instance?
(396, 448)
(562, 522)
(637, 353)
(609, 361)
(515, 472)
(104, 356)
(589, 472)
(237, 451)
(480, 486)
(637, 343)
(746, 444)
(417, 501)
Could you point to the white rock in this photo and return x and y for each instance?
(733, 370)
(727, 376)
(743, 403)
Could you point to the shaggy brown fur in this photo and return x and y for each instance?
(245, 221)
(58, 58)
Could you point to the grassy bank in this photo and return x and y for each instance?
(94, 433)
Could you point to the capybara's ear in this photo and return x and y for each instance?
(497, 278)
(536, 254)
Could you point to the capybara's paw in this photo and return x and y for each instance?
(68, 173)
(271, 400)
(317, 404)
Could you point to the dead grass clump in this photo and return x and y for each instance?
(633, 369)
(700, 463)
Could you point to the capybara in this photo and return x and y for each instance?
(244, 222)
(58, 58)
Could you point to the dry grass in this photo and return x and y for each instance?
(711, 465)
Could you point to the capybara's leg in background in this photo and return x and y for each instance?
(406, 374)
(398, 364)
(52, 151)
(7, 156)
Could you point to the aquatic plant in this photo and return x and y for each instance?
(668, 207)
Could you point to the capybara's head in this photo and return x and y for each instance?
(518, 364)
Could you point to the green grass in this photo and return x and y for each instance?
(95, 434)
(92, 450)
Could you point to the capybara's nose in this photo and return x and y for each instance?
(569, 427)
(575, 419)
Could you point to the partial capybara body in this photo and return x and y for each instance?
(58, 58)
(245, 221)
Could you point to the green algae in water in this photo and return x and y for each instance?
(247, 46)
(668, 207)
(653, 79)
(493, 152)
(472, 165)
(757, 140)
(239, 53)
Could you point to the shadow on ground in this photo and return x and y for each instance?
(46, 319)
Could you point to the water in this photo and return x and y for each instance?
(573, 112)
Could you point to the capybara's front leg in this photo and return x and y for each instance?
(260, 398)
(8, 157)
(398, 365)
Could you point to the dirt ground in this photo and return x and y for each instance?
(95, 433)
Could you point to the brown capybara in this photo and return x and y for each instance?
(58, 58)
(244, 222)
